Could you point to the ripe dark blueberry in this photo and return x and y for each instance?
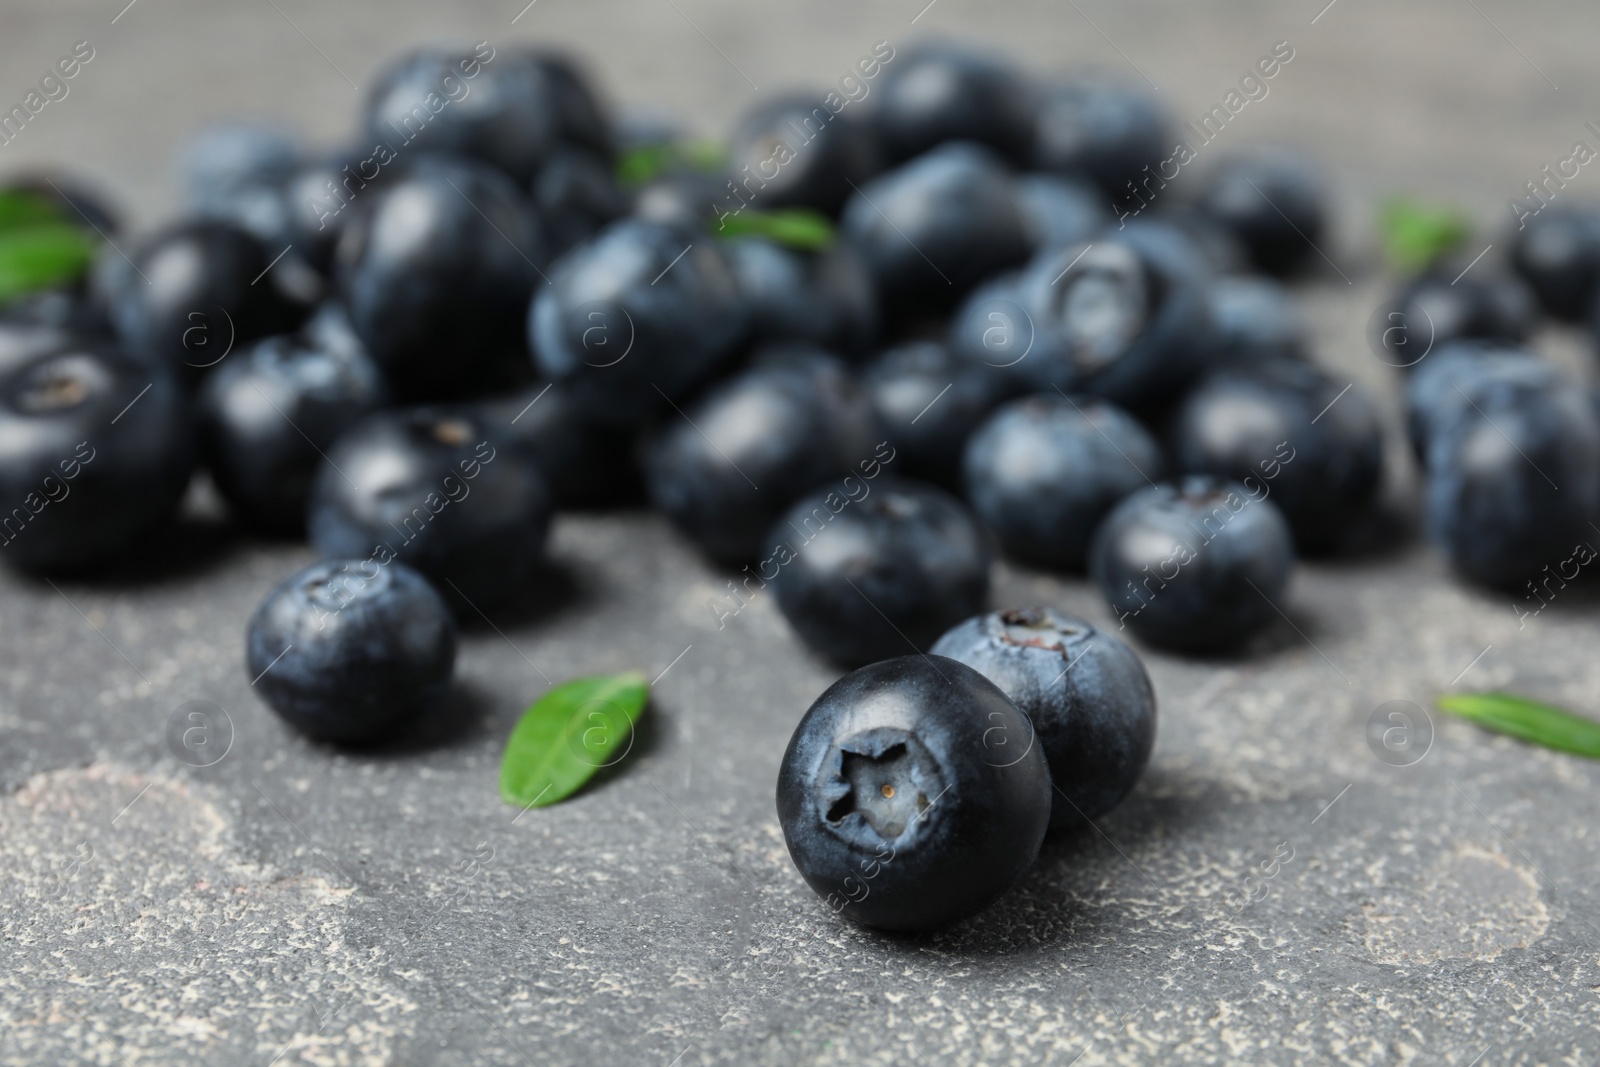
(1197, 566)
(994, 332)
(584, 465)
(70, 311)
(1109, 132)
(727, 467)
(189, 298)
(635, 316)
(1059, 211)
(937, 226)
(436, 271)
(581, 116)
(1043, 471)
(1085, 692)
(945, 92)
(1274, 204)
(95, 450)
(1512, 484)
(219, 160)
(881, 571)
(824, 297)
(323, 196)
(793, 151)
(929, 402)
(348, 650)
(577, 194)
(1311, 442)
(1442, 393)
(268, 415)
(1253, 321)
(499, 109)
(1432, 311)
(439, 490)
(1557, 252)
(687, 200)
(903, 799)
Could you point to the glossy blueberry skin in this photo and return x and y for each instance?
(584, 465)
(1107, 131)
(725, 470)
(505, 115)
(1253, 321)
(1274, 203)
(688, 200)
(190, 300)
(87, 463)
(1557, 252)
(929, 402)
(964, 816)
(1194, 566)
(436, 271)
(1512, 485)
(1441, 393)
(219, 159)
(818, 155)
(1312, 442)
(440, 490)
(70, 311)
(268, 415)
(577, 194)
(942, 92)
(861, 580)
(1043, 471)
(633, 317)
(1085, 692)
(1430, 312)
(1059, 211)
(349, 651)
(823, 297)
(935, 227)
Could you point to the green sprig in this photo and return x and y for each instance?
(1529, 720)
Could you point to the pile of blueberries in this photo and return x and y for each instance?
(851, 359)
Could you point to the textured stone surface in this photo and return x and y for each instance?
(1272, 892)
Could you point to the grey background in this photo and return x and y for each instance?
(291, 904)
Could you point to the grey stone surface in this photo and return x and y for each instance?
(293, 904)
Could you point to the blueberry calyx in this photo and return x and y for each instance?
(878, 786)
(1034, 628)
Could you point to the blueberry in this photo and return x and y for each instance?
(584, 465)
(688, 200)
(1086, 694)
(1059, 211)
(1273, 202)
(1253, 321)
(1197, 566)
(879, 572)
(794, 151)
(1109, 132)
(992, 331)
(323, 196)
(350, 651)
(500, 109)
(581, 118)
(1512, 484)
(1442, 306)
(634, 317)
(824, 297)
(1557, 252)
(268, 415)
(1044, 470)
(69, 311)
(1310, 441)
(196, 291)
(577, 194)
(95, 450)
(901, 797)
(929, 402)
(436, 273)
(937, 226)
(727, 467)
(945, 92)
(439, 490)
(1441, 394)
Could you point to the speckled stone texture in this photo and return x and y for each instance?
(1272, 892)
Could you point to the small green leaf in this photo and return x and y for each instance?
(41, 256)
(648, 162)
(1415, 234)
(796, 227)
(1529, 720)
(568, 735)
(23, 209)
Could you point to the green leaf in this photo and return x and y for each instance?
(796, 227)
(568, 735)
(1416, 234)
(41, 256)
(1529, 720)
(23, 209)
(648, 162)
